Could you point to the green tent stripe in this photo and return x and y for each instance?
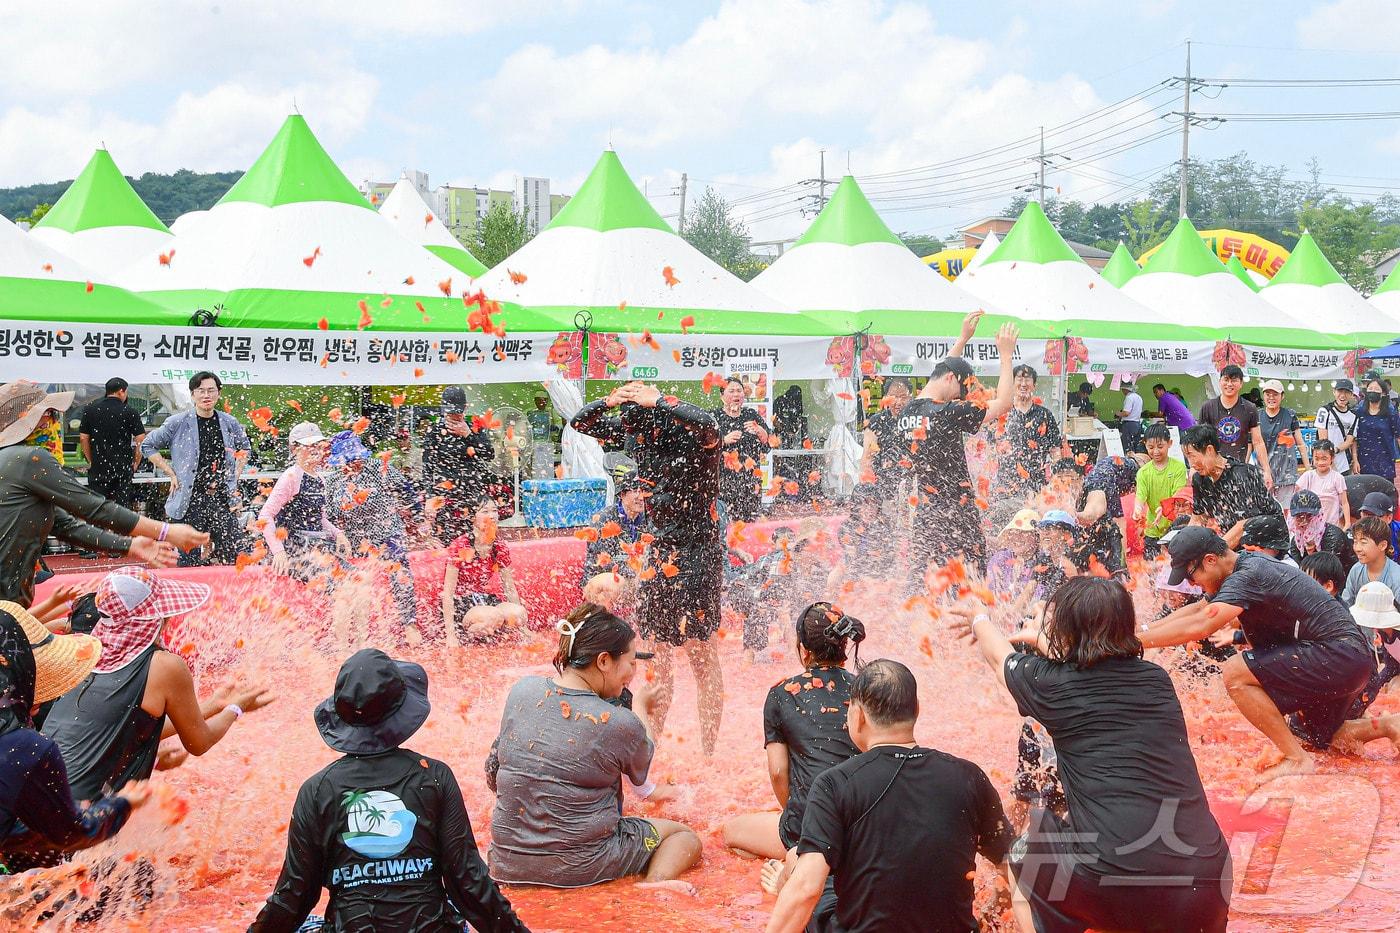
(1240, 272)
(1033, 239)
(100, 197)
(1184, 252)
(1120, 267)
(608, 200)
(458, 259)
(1392, 281)
(50, 301)
(294, 168)
(848, 219)
(1306, 266)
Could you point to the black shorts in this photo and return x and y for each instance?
(941, 534)
(1088, 901)
(675, 609)
(1317, 681)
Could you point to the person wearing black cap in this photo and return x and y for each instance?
(457, 459)
(1312, 534)
(676, 446)
(384, 828)
(1336, 422)
(1236, 423)
(1268, 535)
(613, 558)
(1081, 401)
(1307, 660)
(1379, 505)
(947, 520)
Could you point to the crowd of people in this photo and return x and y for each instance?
(971, 501)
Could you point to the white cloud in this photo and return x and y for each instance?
(1364, 25)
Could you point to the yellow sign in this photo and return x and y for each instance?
(949, 263)
(1255, 252)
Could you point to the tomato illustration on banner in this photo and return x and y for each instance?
(566, 354)
(607, 353)
(1056, 356)
(841, 356)
(1227, 354)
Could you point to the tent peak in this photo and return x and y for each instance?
(848, 218)
(1034, 239)
(101, 196)
(607, 200)
(294, 168)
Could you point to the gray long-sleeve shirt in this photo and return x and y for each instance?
(38, 498)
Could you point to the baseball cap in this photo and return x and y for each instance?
(454, 400)
(304, 432)
(1377, 503)
(626, 481)
(1305, 502)
(1271, 385)
(1190, 545)
(1268, 531)
(1060, 518)
(1024, 520)
(1344, 385)
(957, 366)
(346, 447)
(1232, 371)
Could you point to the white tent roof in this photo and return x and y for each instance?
(984, 252)
(415, 220)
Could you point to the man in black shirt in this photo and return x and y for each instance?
(1306, 656)
(886, 456)
(947, 518)
(1236, 422)
(457, 460)
(1026, 440)
(1226, 493)
(897, 827)
(744, 442)
(110, 436)
(677, 450)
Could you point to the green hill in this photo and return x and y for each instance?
(168, 196)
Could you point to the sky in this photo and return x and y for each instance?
(935, 108)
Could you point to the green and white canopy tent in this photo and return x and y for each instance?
(415, 220)
(1184, 281)
(1387, 297)
(1120, 268)
(1035, 275)
(308, 284)
(1244, 275)
(1309, 289)
(102, 222)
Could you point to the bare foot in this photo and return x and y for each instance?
(1288, 767)
(772, 876)
(674, 887)
(749, 655)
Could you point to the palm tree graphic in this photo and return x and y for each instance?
(358, 802)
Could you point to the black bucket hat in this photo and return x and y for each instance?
(377, 705)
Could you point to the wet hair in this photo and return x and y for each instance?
(1201, 436)
(1025, 369)
(114, 385)
(1373, 527)
(823, 629)
(1067, 465)
(1325, 567)
(1157, 432)
(735, 380)
(1092, 620)
(1325, 446)
(892, 381)
(598, 632)
(198, 378)
(888, 693)
(1157, 386)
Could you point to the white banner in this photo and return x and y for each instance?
(916, 356)
(672, 357)
(93, 353)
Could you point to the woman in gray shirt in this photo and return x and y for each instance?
(558, 764)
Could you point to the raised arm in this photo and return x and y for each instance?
(1006, 350)
(593, 419)
(969, 328)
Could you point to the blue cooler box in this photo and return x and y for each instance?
(562, 503)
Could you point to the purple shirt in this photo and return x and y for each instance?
(1175, 412)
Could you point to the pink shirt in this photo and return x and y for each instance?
(284, 491)
(1330, 489)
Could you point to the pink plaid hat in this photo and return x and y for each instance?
(134, 603)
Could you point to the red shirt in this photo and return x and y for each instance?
(477, 574)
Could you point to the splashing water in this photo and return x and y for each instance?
(207, 852)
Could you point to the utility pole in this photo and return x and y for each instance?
(821, 175)
(1185, 133)
(815, 202)
(1044, 159)
(680, 217)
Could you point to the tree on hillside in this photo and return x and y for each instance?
(1352, 236)
(1145, 225)
(35, 215)
(712, 230)
(921, 244)
(501, 232)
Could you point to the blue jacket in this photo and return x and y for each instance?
(180, 433)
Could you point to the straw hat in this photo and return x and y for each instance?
(1375, 607)
(1025, 520)
(61, 661)
(22, 404)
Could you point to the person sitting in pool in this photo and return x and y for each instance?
(557, 769)
(804, 733)
(479, 599)
(382, 827)
(296, 524)
(1122, 750)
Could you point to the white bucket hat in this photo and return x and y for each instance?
(1375, 607)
